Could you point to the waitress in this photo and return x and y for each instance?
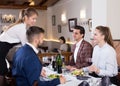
(15, 33)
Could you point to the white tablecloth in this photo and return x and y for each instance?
(72, 80)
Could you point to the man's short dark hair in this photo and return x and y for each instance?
(82, 30)
(32, 31)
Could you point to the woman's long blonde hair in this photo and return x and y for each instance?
(106, 32)
(25, 12)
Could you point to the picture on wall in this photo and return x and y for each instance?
(59, 28)
(71, 23)
(90, 24)
(53, 20)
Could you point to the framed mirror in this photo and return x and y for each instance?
(71, 23)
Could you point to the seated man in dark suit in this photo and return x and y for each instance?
(27, 67)
(82, 50)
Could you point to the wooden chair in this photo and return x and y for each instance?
(118, 78)
(10, 81)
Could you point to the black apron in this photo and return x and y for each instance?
(4, 49)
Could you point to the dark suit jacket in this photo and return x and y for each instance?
(27, 68)
(83, 55)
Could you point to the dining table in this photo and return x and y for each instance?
(72, 80)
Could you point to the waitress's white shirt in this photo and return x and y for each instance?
(15, 34)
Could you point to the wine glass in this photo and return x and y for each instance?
(45, 61)
(50, 62)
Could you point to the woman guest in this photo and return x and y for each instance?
(15, 33)
(63, 46)
(104, 56)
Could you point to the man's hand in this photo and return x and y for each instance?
(71, 68)
(68, 67)
(62, 80)
(43, 73)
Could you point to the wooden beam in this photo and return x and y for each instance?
(49, 3)
(42, 2)
(21, 7)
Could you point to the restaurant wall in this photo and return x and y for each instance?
(105, 12)
(99, 12)
(72, 9)
(113, 18)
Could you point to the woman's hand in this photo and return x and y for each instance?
(93, 68)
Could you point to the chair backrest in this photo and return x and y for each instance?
(117, 48)
(84, 83)
(105, 81)
(10, 54)
(69, 48)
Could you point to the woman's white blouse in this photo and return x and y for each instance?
(104, 58)
(15, 34)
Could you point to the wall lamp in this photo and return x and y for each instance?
(63, 19)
